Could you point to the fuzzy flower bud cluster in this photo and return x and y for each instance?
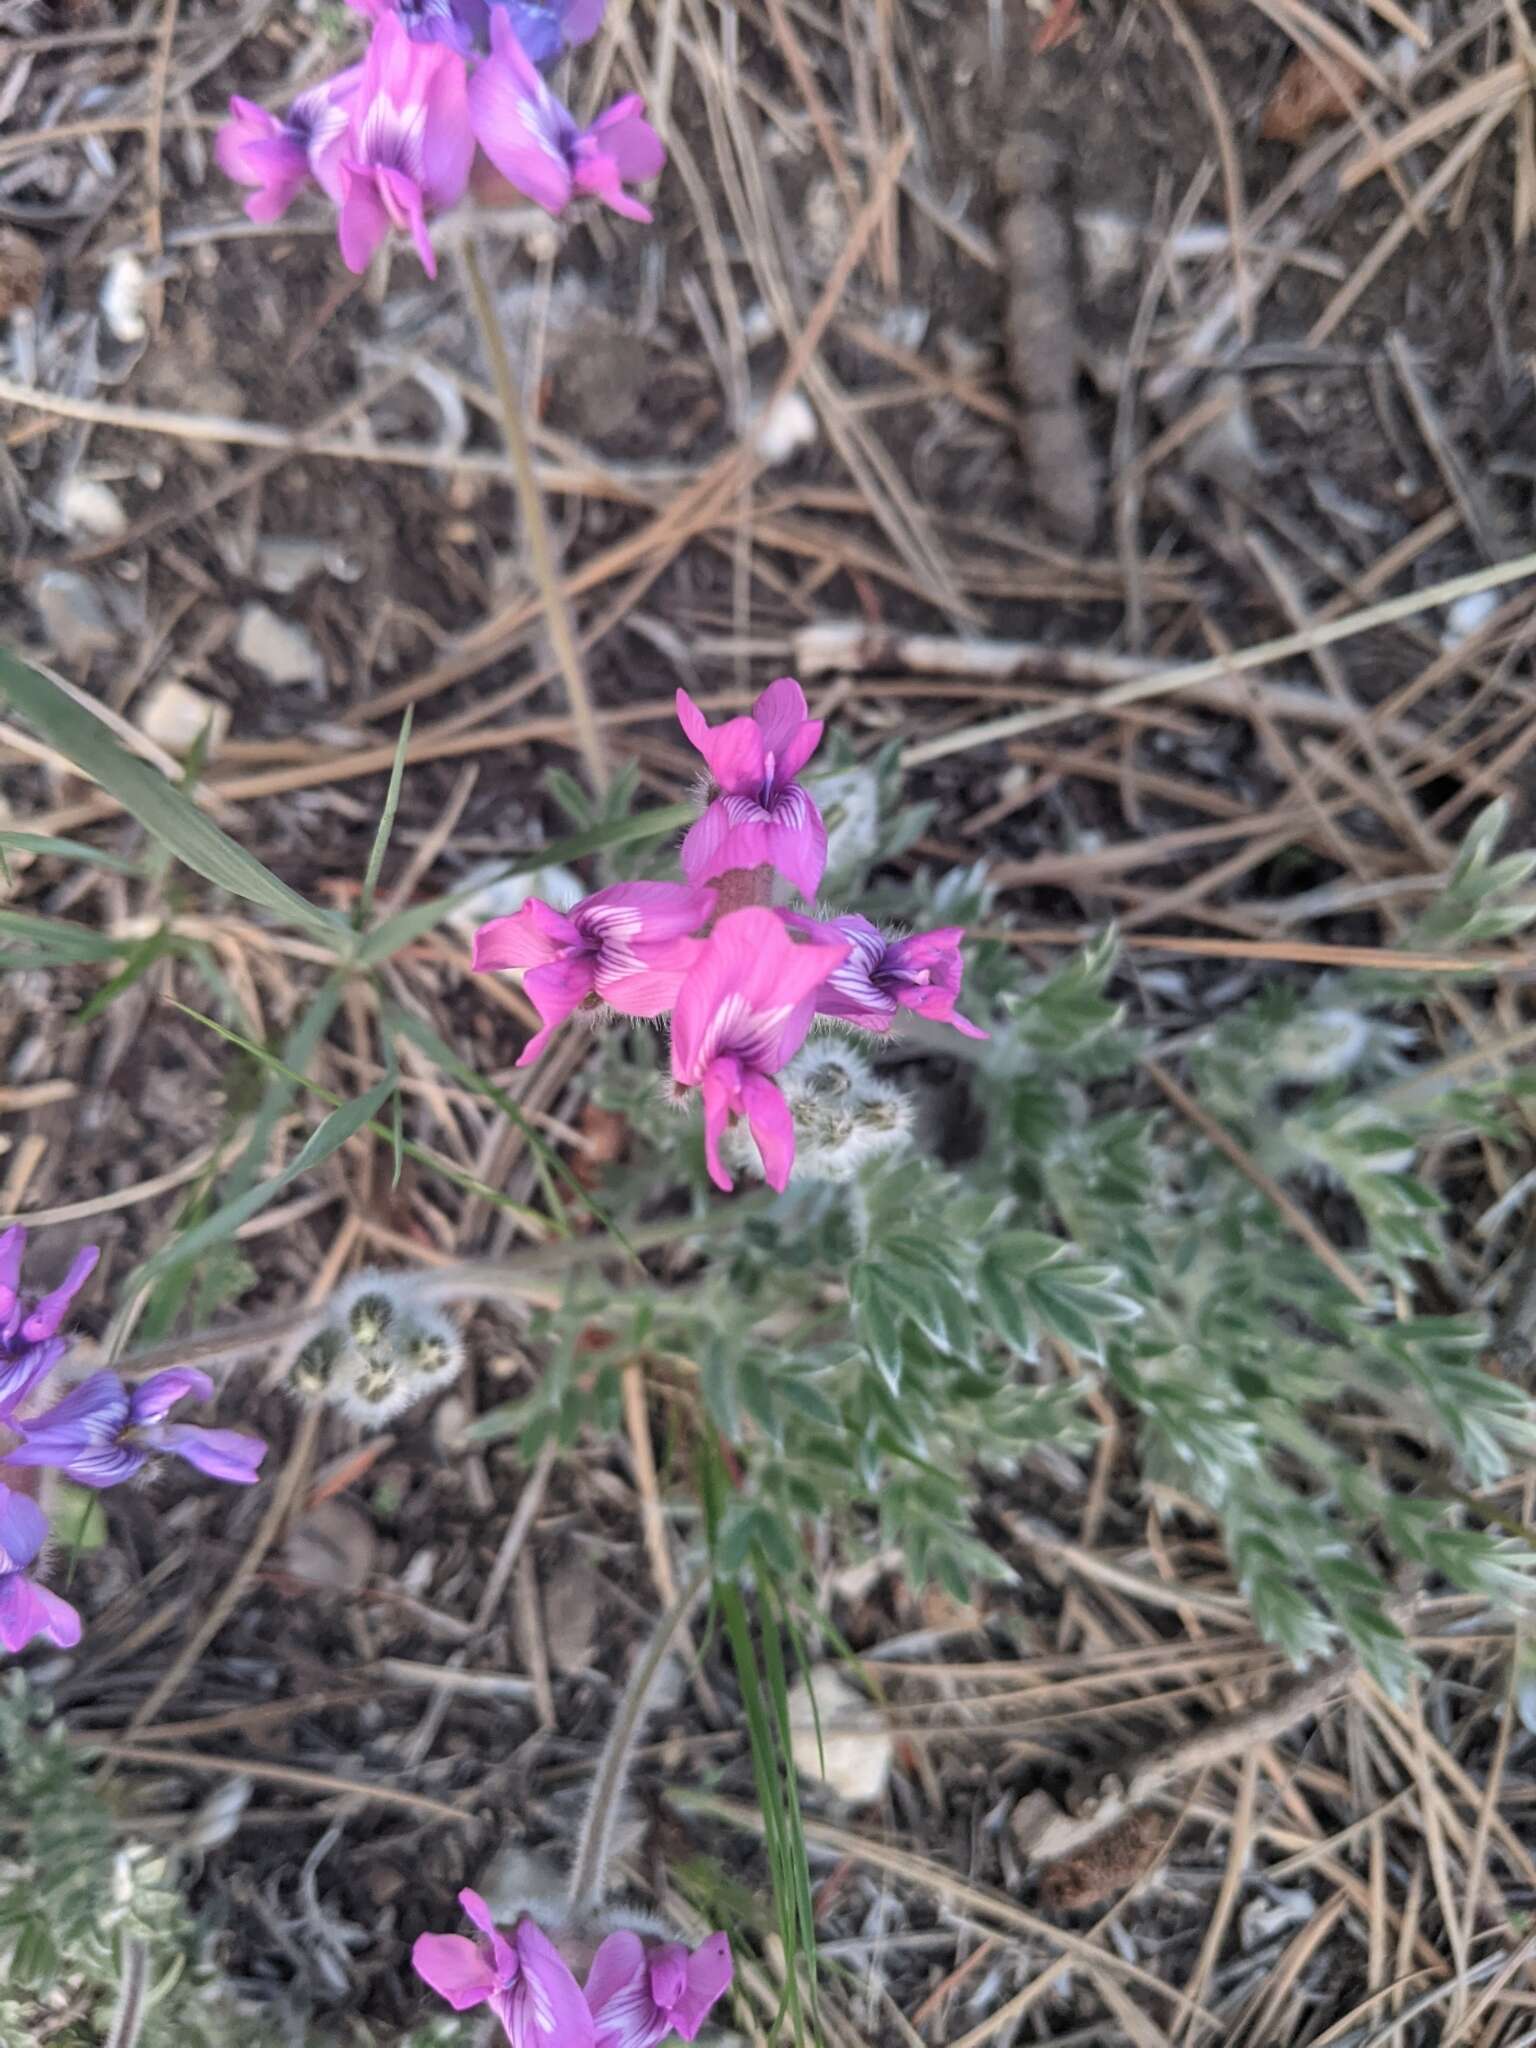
(637, 1993)
(98, 1433)
(378, 1351)
(449, 99)
(744, 980)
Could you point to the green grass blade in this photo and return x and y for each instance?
(140, 959)
(420, 918)
(158, 805)
(56, 938)
(530, 1218)
(66, 849)
(386, 823)
(343, 1123)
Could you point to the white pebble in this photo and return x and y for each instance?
(92, 508)
(784, 428)
(122, 297)
(853, 1756)
(1468, 614)
(176, 716)
(283, 652)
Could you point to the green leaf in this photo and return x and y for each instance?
(57, 939)
(66, 849)
(341, 1124)
(158, 805)
(879, 1323)
(386, 822)
(413, 923)
(142, 957)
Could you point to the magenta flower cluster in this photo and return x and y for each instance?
(97, 1434)
(637, 1993)
(449, 97)
(744, 980)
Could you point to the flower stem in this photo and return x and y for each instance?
(589, 736)
(592, 1851)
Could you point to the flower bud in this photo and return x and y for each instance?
(315, 1367)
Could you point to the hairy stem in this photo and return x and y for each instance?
(535, 526)
(592, 1851)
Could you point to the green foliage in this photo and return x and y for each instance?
(77, 1894)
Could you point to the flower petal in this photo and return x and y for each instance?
(518, 122)
(158, 1395)
(534, 933)
(548, 1999)
(23, 1529)
(555, 990)
(721, 1090)
(221, 1453)
(734, 752)
(455, 1968)
(618, 1964)
(361, 223)
(666, 910)
(46, 1317)
(28, 1611)
(773, 1129)
(795, 840)
(710, 1970)
(779, 714)
(649, 989)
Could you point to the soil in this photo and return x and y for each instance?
(1398, 441)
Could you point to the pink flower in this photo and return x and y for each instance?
(410, 150)
(100, 1434)
(279, 154)
(743, 1011)
(639, 1995)
(536, 145)
(627, 944)
(525, 1980)
(761, 813)
(28, 1610)
(881, 976)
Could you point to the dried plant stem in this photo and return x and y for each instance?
(535, 526)
(286, 1491)
(592, 1850)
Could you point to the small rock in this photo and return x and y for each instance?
(853, 1755)
(91, 508)
(284, 653)
(332, 1546)
(75, 617)
(283, 566)
(22, 269)
(1288, 1906)
(1468, 615)
(176, 716)
(784, 428)
(122, 295)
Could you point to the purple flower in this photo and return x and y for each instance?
(455, 22)
(548, 28)
(761, 813)
(881, 975)
(30, 1345)
(28, 1610)
(743, 1010)
(409, 148)
(639, 1995)
(279, 154)
(100, 1434)
(525, 1980)
(536, 145)
(627, 944)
